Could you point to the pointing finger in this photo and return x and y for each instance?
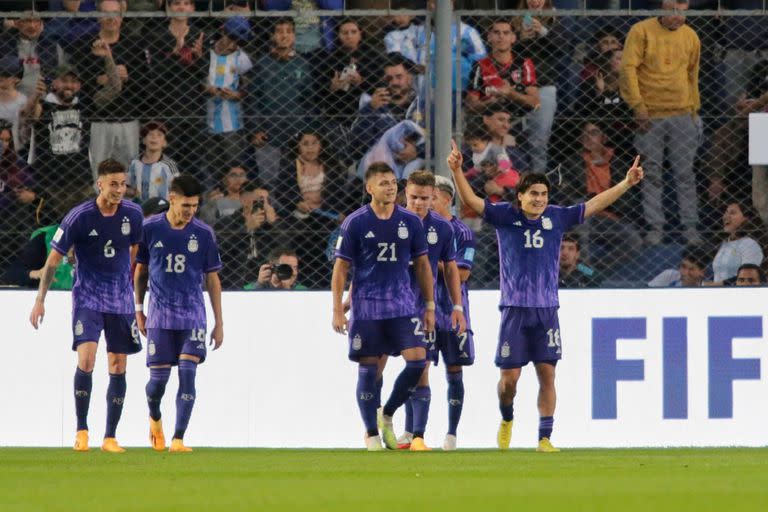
(637, 161)
(453, 146)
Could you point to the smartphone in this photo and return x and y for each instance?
(527, 21)
(258, 204)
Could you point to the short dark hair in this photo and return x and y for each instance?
(530, 179)
(397, 59)
(186, 185)
(110, 166)
(275, 253)
(252, 185)
(377, 168)
(752, 266)
(476, 130)
(422, 179)
(695, 255)
(152, 126)
(572, 238)
(285, 20)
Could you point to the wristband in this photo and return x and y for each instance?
(138, 307)
(458, 307)
(430, 305)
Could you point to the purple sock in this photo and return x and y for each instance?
(420, 400)
(455, 400)
(545, 427)
(158, 378)
(366, 397)
(404, 385)
(377, 392)
(409, 415)
(507, 411)
(115, 399)
(185, 398)
(83, 386)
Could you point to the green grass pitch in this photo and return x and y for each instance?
(722, 480)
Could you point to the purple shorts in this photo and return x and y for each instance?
(457, 349)
(378, 337)
(528, 334)
(164, 346)
(120, 331)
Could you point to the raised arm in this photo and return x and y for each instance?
(424, 277)
(46, 278)
(605, 199)
(338, 281)
(453, 282)
(213, 284)
(468, 196)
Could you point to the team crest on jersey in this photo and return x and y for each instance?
(517, 223)
(126, 227)
(432, 235)
(357, 342)
(151, 348)
(79, 328)
(192, 244)
(546, 223)
(505, 349)
(402, 230)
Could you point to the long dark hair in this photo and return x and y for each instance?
(751, 226)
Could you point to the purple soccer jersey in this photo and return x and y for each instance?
(441, 247)
(380, 252)
(529, 251)
(103, 280)
(465, 257)
(178, 260)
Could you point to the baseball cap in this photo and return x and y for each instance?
(238, 28)
(445, 184)
(66, 69)
(10, 67)
(154, 205)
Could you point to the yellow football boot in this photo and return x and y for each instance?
(81, 441)
(418, 445)
(504, 437)
(545, 446)
(110, 445)
(177, 446)
(156, 436)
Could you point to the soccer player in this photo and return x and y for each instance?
(529, 235)
(379, 241)
(419, 194)
(176, 254)
(457, 348)
(105, 233)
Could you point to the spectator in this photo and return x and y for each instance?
(663, 92)
(604, 41)
(14, 105)
(151, 174)
(224, 199)
(114, 124)
(740, 245)
(503, 79)
(345, 73)
(282, 97)
(489, 169)
(38, 54)
(386, 106)
(225, 88)
(312, 32)
(497, 122)
(539, 36)
(67, 30)
(246, 236)
(176, 62)
(280, 272)
(26, 269)
(401, 148)
(691, 272)
(750, 274)
(405, 38)
(61, 128)
(573, 272)
(18, 198)
(311, 180)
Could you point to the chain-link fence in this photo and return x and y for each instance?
(279, 112)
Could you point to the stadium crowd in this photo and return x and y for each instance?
(280, 117)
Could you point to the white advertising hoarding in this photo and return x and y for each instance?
(640, 368)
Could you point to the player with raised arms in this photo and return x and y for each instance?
(419, 194)
(378, 242)
(529, 235)
(177, 254)
(105, 233)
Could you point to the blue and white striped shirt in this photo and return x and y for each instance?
(224, 72)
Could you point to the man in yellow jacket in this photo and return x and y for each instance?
(659, 80)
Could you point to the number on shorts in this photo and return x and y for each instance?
(462, 340)
(135, 331)
(430, 337)
(176, 263)
(553, 335)
(417, 327)
(198, 335)
(536, 240)
(383, 248)
(109, 251)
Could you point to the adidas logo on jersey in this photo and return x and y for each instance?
(158, 244)
(517, 223)
(93, 233)
(370, 235)
(201, 346)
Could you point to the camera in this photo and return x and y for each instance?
(258, 204)
(283, 271)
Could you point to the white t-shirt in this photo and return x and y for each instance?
(10, 111)
(733, 254)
